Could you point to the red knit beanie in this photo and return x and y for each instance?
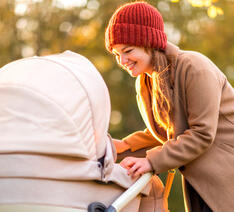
(137, 24)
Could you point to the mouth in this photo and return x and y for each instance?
(130, 66)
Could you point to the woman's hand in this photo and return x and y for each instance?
(120, 146)
(136, 166)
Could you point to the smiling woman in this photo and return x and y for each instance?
(135, 60)
(186, 103)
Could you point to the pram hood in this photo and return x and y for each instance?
(54, 105)
(54, 116)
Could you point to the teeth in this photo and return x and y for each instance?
(130, 65)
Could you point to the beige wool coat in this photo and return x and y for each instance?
(203, 117)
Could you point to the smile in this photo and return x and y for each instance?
(130, 66)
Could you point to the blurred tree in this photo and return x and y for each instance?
(41, 27)
(212, 9)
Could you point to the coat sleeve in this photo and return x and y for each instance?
(203, 90)
(141, 139)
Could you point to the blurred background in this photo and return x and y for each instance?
(42, 27)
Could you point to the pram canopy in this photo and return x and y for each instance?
(54, 115)
(56, 104)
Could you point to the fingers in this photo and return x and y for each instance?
(127, 162)
(136, 170)
(136, 166)
(138, 173)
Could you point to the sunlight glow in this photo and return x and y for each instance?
(116, 117)
(69, 4)
(163, 6)
(200, 3)
(21, 8)
(214, 11)
(173, 34)
(27, 51)
(65, 27)
(93, 5)
(86, 14)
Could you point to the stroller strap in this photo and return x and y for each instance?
(169, 181)
(170, 175)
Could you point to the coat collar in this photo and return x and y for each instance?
(172, 52)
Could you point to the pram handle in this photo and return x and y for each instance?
(130, 193)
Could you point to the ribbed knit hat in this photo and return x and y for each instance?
(137, 24)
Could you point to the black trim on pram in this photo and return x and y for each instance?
(99, 207)
(110, 209)
(96, 207)
(101, 160)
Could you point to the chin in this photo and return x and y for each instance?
(134, 74)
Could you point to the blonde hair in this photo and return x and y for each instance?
(162, 104)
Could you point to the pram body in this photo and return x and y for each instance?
(54, 145)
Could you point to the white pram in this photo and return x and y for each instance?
(54, 146)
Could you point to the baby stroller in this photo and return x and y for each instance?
(54, 147)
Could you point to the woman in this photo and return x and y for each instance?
(187, 105)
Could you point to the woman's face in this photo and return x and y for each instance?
(135, 60)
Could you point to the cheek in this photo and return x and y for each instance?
(144, 60)
(148, 62)
(144, 63)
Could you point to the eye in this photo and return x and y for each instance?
(128, 51)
